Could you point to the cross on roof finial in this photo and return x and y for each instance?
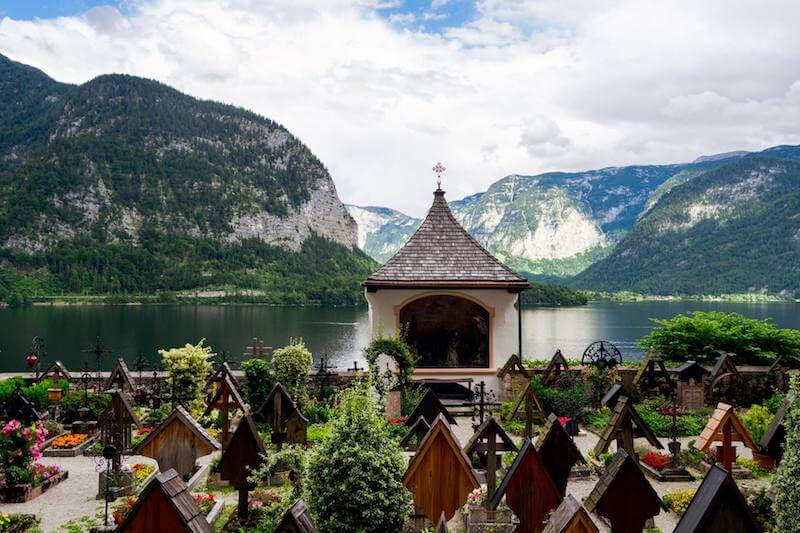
(439, 168)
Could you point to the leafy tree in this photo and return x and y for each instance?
(188, 368)
(292, 364)
(787, 477)
(259, 379)
(355, 476)
(700, 336)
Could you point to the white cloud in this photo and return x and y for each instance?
(524, 87)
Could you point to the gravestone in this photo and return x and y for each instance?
(165, 504)
(429, 407)
(690, 387)
(570, 517)
(440, 475)
(411, 441)
(625, 424)
(177, 443)
(623, 496)
(725, 427)
(718, 507)
(297, 519)
(558, 452)
(121, 378)
(513, 376)
(533, 411)
(227, 399)
(244, 452)
(486, 447)
(528, 489)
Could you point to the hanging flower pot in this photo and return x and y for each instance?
(32, 360)
(54, 394)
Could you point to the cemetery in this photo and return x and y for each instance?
(431, 435)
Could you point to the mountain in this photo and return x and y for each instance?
(382, 231)
(732, 229)
(123, 184)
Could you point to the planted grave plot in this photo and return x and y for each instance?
(20, 450)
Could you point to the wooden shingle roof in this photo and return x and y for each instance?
(442, 254)
(558, 452)
(297, 519)
(489, 427)
(122, 376)
(722, 415)
(570, 517)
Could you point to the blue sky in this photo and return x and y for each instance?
(29, 9)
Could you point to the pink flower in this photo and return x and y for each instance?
(46, 475)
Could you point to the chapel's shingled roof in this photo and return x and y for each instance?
(442, 254)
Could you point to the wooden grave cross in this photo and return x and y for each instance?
(227, 399)
(570, 517)
(725, 427)
(529, 490)
(775, 436)
(625, 424)
(115, 425)
(651, 369)
(718, 506)
(56, 371)
(257, 350)
(623, 495)
(177, 443)
(533, 409)
(288, 423)
(297, 519)
(440, 475)
(244, 453)
(410, 442)
(558, 363)
(120, 378)
(487, 445)
(558, 452)
(429, 407)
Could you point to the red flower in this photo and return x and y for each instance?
(656, 460)
(398, 420)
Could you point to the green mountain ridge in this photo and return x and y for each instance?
(124, 184)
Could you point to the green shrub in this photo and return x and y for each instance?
(758, 471)
(73, 401)
(355, 476)
(259, 380)
(292, 364)
(318, 432)
(396, 348)
(318, 412)
(787, 487)
(756, 420)
(188, 368)
(35, 393)
(568, 400)
(773, 403)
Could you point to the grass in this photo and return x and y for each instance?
(224, 515)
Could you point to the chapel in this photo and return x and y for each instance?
(457, 305)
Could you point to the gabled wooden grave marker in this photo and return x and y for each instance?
(18, 407)
(244, 453)
(718, 507)
(623, 496)
(440, 475)
(486, 445)
(774, 437)
(557, 365)
(509, 380)
(624, 426)
(558, 452)
(121, 378)
(723, 371)
(570, 517)
(411, 441)
(56, 372)
(117, 421)
(690, 388)
(177, 443)
(429, 407)
(165, 504)
(227, 399)
(533, 409)
(287, 422)
(725, 427)
(613, 394)
(512, 363)
(651, 370)
(529, 490)
(297, 519)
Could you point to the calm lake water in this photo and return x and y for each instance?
(338, 332)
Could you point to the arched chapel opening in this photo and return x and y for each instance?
(446, 331)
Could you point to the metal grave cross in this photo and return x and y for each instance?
(98, 350)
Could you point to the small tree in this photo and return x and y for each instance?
(259, 380)
(787, 478)
(188, 368)
(292, 364)
(355, 476)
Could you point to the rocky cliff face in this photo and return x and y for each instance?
(382, 231)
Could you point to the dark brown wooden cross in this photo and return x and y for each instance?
(487, 445)
(533, 409)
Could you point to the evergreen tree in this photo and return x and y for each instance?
(787, 478)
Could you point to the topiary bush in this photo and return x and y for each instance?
(292, 364)
(787, 478)
(259, 380)
(757, 420)
(355, 476)
(188, 368)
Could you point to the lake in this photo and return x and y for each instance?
(130, 330)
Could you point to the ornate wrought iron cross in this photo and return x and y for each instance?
(438, 168)
(98, 350)
(481, 401)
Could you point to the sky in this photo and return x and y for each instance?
(381, 90)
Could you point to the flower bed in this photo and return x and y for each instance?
(141, 473)
(20, 448)
(69, 445)
(205, 501)
(656, 460)
(18, 522)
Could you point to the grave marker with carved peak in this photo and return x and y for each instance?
(613, 394)
(117, 421)
(558, 452)
(511, 364)
(411, 441)
(725, 427)
(220, 373)
(558, 363)
(288, 423)
(297, 519)
(651, 370)
(177, 443)
(718, 506)
(570, 517)
(55, 372)
(440, 475)
(486, 445)
(165, 504)
(429, 407)
(529, 490)
(18, 407)
(121, 378)
(623, 496)
(244, 453)
(625, 425)
(227, 399)
(723, 370)
(774, 437)
(691, 371)
(533, 409)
